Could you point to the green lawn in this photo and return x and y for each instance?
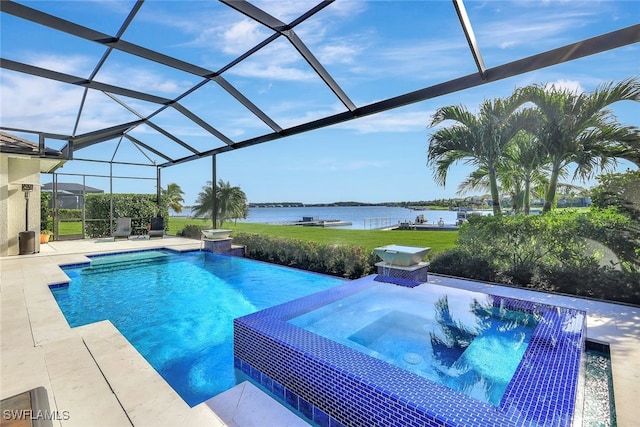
(368, 239)
(66, 228)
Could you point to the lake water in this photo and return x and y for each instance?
(361, 217)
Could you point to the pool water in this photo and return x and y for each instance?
(455, 338)
(177, 310)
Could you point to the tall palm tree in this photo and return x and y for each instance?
(173, 197)
(523, 168)
(579, 129)
(231, 202)
(478, 139)
(203, 205)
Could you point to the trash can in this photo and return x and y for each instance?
(27, 242)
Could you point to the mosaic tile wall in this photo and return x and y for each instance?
(337, 386)
(414, 275)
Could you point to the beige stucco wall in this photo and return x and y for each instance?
(4, 193)
(13, 172)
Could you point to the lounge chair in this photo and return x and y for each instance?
(157, 227)
(123, 228)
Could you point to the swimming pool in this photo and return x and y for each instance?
(351, 379)
(177, 309)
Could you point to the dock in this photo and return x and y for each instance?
(426, 227)
(308, 221)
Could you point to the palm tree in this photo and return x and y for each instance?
(478, 139)
(523, 169)
(173, 197)
(579, 129)
(204, 203)
(231, 202)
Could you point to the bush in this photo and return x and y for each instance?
(139, 207)
(46, 221)
(192, 231)
(337, 260)
(458, 262)
(594, 282)
(583, 253)
(69, 213)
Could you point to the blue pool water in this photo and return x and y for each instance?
(455, 338)
(177, 310)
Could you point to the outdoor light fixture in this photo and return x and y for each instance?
(27, 188)
(26, 238)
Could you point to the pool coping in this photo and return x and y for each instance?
(32, 328)
(425, 399)
(92, 373)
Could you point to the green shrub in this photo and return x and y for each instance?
(69, 213)
(192, 231)
(591, 253)
(139, 207)
(46, 221)
(461, 263)
(339, 260)
(594, 282)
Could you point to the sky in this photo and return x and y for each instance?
(373, 49)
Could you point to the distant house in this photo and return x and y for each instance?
(69, 195)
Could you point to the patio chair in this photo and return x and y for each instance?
(157, 227)
(123, 228)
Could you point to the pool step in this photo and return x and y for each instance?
(125, 261)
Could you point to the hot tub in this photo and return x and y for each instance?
(217, 234)
(401, 255)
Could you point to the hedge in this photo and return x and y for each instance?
(593, 254)
(139, 207)
(347, 261)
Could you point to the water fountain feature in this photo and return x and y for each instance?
(402, 265)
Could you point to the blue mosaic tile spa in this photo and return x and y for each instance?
(376, 354)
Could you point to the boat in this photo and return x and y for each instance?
(463, 215)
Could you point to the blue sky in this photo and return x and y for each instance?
(374, 50)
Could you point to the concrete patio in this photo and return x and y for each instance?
(93, 376)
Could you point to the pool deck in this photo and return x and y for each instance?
(93, 376)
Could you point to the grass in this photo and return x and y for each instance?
(66, 228)
(368, 239)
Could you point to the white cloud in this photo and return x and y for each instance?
(272, 71)
(143, 79)
(532, 25)
(338, 53)
(75, 65)
(390, 121)
(242, 36)
(285, 10)
(46, 105)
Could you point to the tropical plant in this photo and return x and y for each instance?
(577, 128)
(230, 202)
(203, 205)
(621, 190)
(46, 222)
(173, 197)
(522, 170)
(479, 139)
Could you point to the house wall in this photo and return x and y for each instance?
(4, 194)
(14, 171)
